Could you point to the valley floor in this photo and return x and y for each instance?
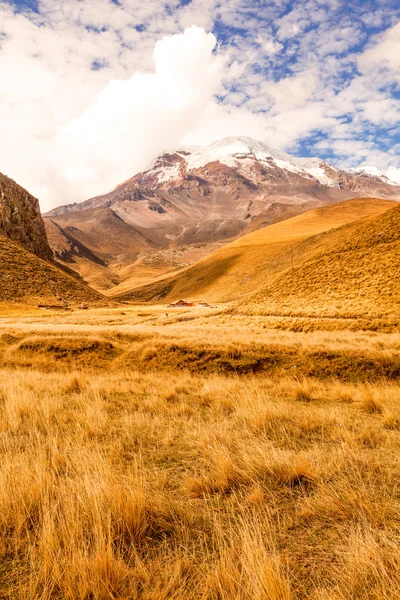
(154, 453)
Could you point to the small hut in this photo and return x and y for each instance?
(181, 303)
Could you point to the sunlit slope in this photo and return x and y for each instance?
(26, 278)
(255, 260)
(356, 272)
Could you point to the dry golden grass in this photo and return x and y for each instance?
(354, 274)
(129, 485)
(146, 458)
(198, 346)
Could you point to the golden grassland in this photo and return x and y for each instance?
(200, 340)
(199, 456)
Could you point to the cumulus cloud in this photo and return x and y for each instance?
(132, 120)
(125, 125)
(394, 174)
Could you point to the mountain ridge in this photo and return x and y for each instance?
(167, 168)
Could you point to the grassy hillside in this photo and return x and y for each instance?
(26, 278)
(355, 272)
(255, 260)
(111, 255)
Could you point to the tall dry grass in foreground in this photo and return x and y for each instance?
(121, 485)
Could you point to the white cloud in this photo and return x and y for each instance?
(394, 174)
(219, 121)
(384, 53)
(132, 120)
(270, 46)
(73, 133)
(292, 91)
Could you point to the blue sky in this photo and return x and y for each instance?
(93, 102)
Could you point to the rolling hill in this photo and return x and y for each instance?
(355, 272)
(254, 261)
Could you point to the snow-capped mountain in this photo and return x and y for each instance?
(242, 154)
(239, 153)
(377, 174)
(196, 196)
(191, 199)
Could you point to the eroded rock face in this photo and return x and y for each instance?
(20, 218)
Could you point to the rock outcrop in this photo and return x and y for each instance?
(20, 218)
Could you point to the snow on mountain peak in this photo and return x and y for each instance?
(228, 151)
(367, 170)
(391, 176)
(241, 154)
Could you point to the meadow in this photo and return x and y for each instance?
(201, 455)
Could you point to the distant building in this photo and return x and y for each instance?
(181, 303)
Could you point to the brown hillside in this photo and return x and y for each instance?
(356, 273)
(98, 246)
(108, 252)
(26, 278)
(255, 260)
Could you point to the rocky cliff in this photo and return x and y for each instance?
(20, 218)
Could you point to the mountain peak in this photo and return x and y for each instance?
(240, 144)
(232, 152)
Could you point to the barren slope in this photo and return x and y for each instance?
(108, 252)
(98, 247)
(195, 198)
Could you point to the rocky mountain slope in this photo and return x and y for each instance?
(255, 261)
(194, 197)
(99, 247)
(20, 218)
